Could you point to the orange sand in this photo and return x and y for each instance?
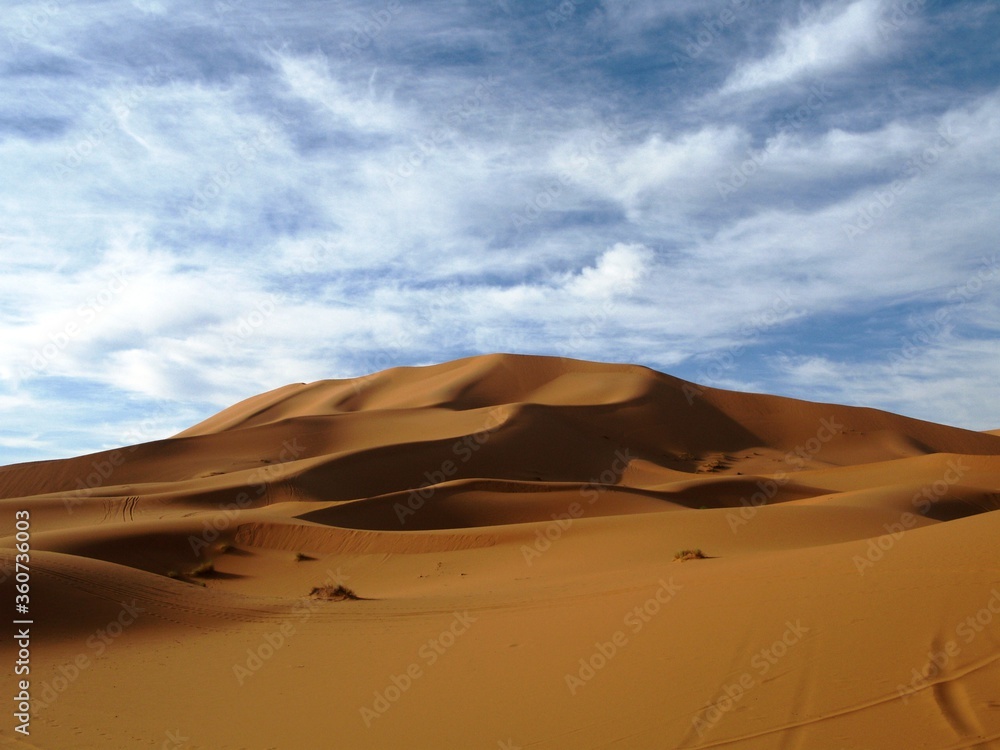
(508, 524)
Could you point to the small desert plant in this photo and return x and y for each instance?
(689, 554)
(206, 568)
(333, 593)
(302, 557)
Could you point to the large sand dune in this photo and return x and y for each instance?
(506, 527)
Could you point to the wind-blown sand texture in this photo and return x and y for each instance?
(480, 554)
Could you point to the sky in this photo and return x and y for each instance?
(204, 200)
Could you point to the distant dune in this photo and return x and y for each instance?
(480, 554)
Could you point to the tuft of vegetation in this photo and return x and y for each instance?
(333, 593)
(205, 569)
(689, 554)
(189, 576)
(303, 557)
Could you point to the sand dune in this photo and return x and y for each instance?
(508, 525)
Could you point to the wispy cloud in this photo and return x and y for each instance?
(835, 36)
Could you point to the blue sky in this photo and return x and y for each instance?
(205, 200)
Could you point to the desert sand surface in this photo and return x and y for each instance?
(481, 554)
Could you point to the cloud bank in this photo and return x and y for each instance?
(207, 200)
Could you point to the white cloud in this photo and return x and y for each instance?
(944, 381)
(618, 270)
(658, 171)
(311, 79)
(835, 36)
